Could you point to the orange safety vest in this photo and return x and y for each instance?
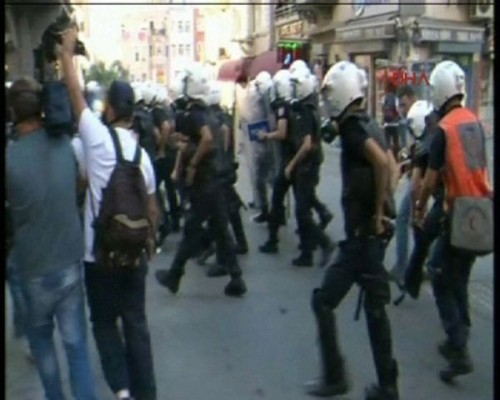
(465, 173)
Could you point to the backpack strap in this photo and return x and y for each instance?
(137, 156)
(116, 144)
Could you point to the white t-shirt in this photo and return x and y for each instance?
(77, 144)
(100, 159)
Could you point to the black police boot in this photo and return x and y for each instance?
(236, 287)
(387, 389)
(460, 363)
(446, 349)
(334, 380)
(169, 278)
(305, 259)
(270, 247)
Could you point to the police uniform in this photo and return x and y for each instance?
(164, 165)
(304, 120)
(225, 170)
(206, 201)
(280, 187)
(361, 261)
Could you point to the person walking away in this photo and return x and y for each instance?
(458, 156)
(47, 249)
(120, 223)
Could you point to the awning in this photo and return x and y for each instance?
(436, 30)
(264, 62)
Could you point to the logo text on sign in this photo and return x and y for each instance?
(401, 78)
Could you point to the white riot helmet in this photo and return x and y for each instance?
(447, 80)
(282, 89)
(297, 65)
(149, 93)
(302, 82)
(342, 85)
(194, 81)
(215, 93)
(263, 83)
(364, 79)
(416, 117)
(137, 86)
(161, 95)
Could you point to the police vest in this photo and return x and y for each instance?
(143, 125)
(465, 173)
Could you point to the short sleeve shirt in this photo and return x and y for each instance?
(100, 159)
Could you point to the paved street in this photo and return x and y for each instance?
(210, 347)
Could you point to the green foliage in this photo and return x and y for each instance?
(104, 76)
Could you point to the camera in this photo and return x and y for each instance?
(52, 36)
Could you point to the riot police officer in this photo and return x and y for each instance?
(304, 167)
(203, 189)
(225, 170)
(365, 194)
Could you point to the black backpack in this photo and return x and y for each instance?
(122, 228)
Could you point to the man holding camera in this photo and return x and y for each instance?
(119, 291)
(47, 243)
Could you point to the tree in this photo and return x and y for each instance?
(104, 76)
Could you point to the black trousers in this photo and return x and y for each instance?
(360, 260)
(163, 170)
(304, 184)
(280, 189)
(206, 202)
(120, 294)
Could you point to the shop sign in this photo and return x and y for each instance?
(291, 30)
(369, 33)
(451, 35)
(402, 78)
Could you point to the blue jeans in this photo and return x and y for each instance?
(403, 232)
(59, 295)
(450, 282)
(18, 300)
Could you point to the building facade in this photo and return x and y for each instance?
(378, 35)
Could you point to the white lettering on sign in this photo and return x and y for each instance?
(451, 35)
(295, 29)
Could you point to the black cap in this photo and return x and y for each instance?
(121, 98)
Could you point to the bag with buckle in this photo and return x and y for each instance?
(472, 225)
(122, 228)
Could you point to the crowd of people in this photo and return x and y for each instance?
(87, 212)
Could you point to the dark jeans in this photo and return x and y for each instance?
(360, 260)
(206, 202)
(304, 189)
(120, 294)
(19, 305)
(450, 285)
(163, 170)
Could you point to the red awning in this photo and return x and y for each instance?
(264, 62)
(234, 70)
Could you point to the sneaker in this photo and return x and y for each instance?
(236, 287)
(460, 363)
(261, 218)
(168, 279)
(270, 247)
